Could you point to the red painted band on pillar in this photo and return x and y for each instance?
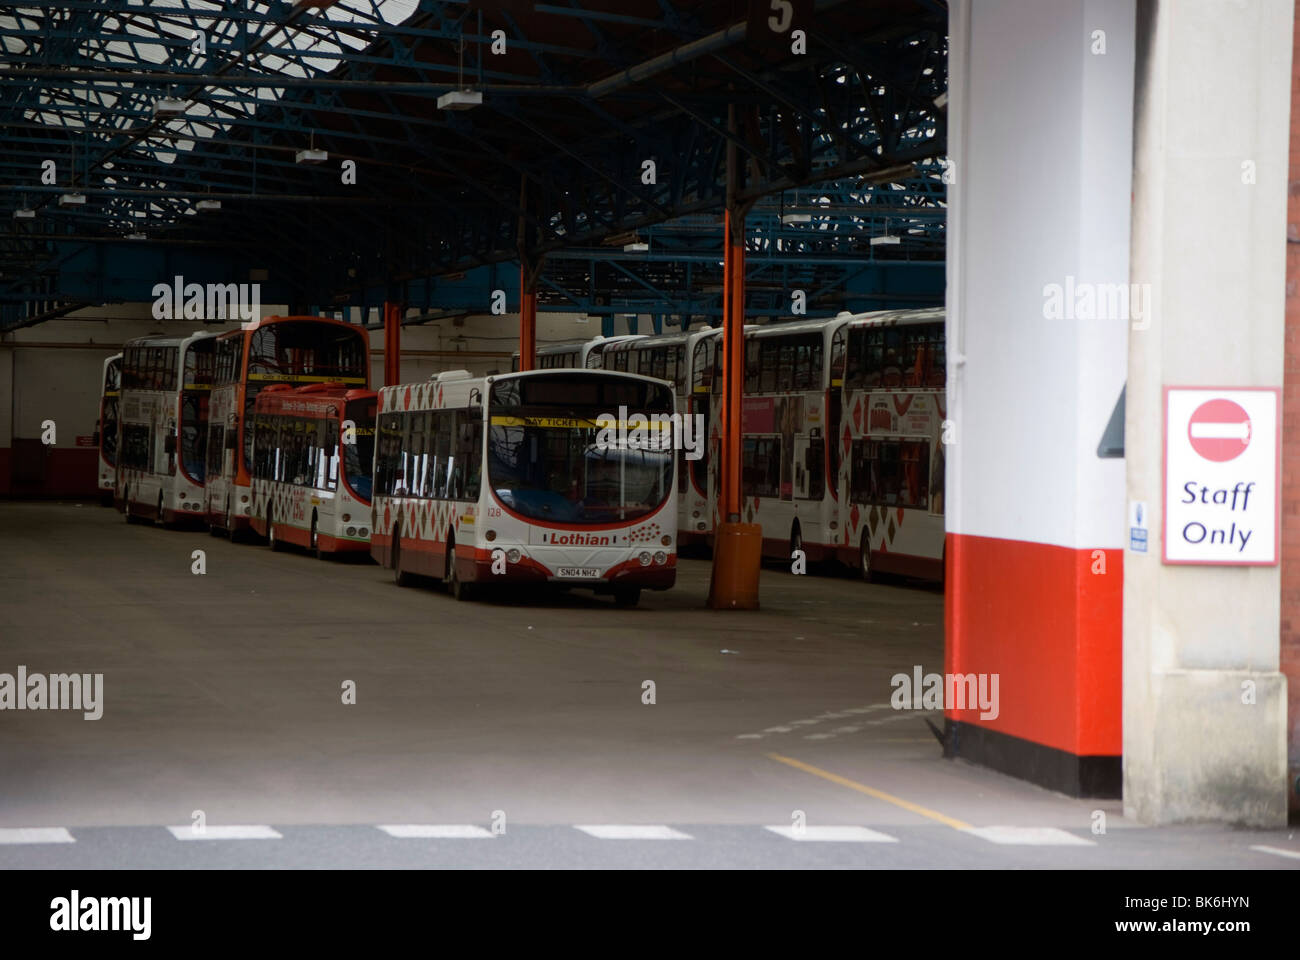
(1048, 621)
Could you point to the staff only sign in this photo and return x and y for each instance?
(1222, 475)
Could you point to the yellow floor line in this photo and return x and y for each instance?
(872, 792)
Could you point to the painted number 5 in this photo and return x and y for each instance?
(781, 23)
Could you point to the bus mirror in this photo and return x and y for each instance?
(169, 444)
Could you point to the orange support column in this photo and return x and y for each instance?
(737, 551)
(527, 317)
(392, 343)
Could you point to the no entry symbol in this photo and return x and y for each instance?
(1219, 430)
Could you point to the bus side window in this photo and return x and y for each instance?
(752, 364)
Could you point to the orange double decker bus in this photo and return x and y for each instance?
(288, 350)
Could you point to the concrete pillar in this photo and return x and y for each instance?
(1209, 207)
(1040, 144)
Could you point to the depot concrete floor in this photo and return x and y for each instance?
(223, 695)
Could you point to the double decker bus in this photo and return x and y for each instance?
(511, 479)
(790, 407)
(313, 456)
(162, 413)
(288, 350)
(106, 427)
(686, 359)
(892, 451)
(574, 354)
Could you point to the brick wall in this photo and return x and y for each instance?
(1291, 446)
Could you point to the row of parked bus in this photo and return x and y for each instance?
(842, 424)
(272, 432)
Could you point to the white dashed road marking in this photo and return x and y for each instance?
(834, 834)
(210, 832)
(35, 835)
(435, 831)
(618, 831)
(1029, 836)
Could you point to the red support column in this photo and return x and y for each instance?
(733, 346)
(392, 343)
(737, 551)
(527, 317)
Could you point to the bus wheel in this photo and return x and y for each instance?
(276, 543)
(230, 525)
(864, 559)
(796, 539)
(627, 596)
(162, 521)
(126, 507)
(457, 587)
(214, 529)
(400, 577)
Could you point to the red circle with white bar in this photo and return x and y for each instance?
(1219, 430)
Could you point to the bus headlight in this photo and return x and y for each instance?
(661, 558)
(513, 555)
(352, 531)
(645, 558)
(363, 532)
(700, 525)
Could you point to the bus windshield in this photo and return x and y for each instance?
(307, 352)
(359, 456)
(302, 352)
(108, 418)
(547, 460)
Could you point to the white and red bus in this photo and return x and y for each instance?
(687, 360)
(289, 350)
(162, 414)
(313, 457)
(891, 446)
(508, 479)
(106, 427)
(790, 407)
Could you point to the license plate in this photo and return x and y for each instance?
(578, 573)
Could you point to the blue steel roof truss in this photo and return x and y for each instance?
(839, 144)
